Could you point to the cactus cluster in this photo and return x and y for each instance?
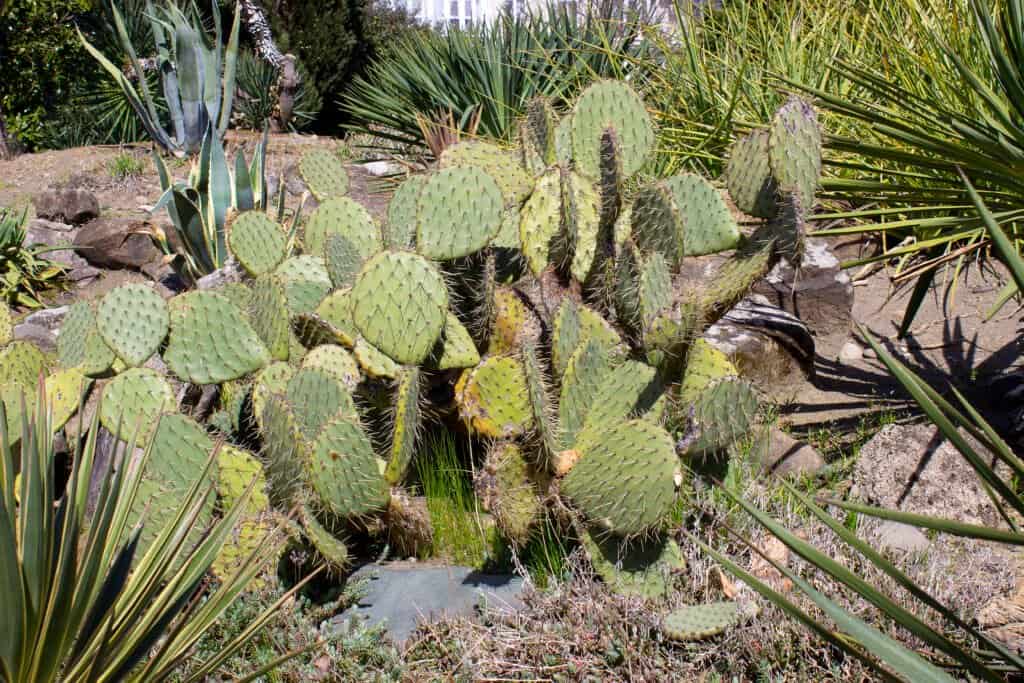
(523, 295)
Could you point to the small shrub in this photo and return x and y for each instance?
(125, 167)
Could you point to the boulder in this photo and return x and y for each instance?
(901, 537)
(43, 338)
(67, 205)
(820, 293)
(117, 243)
(50, 318)
(782, 455)
(59, 238)
(914, 469)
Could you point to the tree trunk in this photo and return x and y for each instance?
(6, 144)
(287, 76)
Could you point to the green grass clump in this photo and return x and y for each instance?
(125, 167)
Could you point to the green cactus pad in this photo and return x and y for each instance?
(540, 221)
(583, 210)
(306, 282)
(374, 362)
(271, 380)
(788, 228)
(610, 104)
(455, 349)
(133, 320)
(22, 363)
(268, 313)
(623, 391)
(211, 341)
(734, 279)
(336, 361)
(336, 310)
(344, 471)
(586, 371)
(459, 211)
(257, 242)
(65, 391)
(400, 231)
(6, 325)
(704, 364)
(795, 149)
(237, 469)
(332, 549)
(625, 480)
(537, 135)
(177, 458)
(234, 406)
(134, 399)
(697, 622)
(500, 164)
(635, 567)
(238, 293)
(284, 451)
(78, 324)
(324, 174)
(576, 324)
(493, 398)
(399, 305)
(14, 397)
(315, 397)
(508, 235)
(342, 260)
(345, 217)
(405, 423)
(515, 324)
(505, 489)
(540, 402)
(724, 412)
(563, 141)
(655, 288)
(748, 175)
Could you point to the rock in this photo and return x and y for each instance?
(851, 351)
(42, 337)
(49, 233)
(50, 318)
(67, 205)
(782, 455)
(820, 293)
(166, 275)
(117, 243)
(381, 168)
(403, 593)
(1002, 618)
(231, 272)
(913, 469)
(902, 537)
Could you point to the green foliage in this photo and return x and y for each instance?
(125, 166)
(25, 274)
(497, 69)
(254, 105)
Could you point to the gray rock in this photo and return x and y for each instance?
(902, 537)
(50, 318)
(403, 593)
(67, 205)
(381, 168)
(820, 293)
(59, 239)
(914, 469)
(782, 455)
(42, 337)
(117, 243)
(231, 272)
(166, 275)
(851, 351)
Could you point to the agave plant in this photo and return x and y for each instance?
(955, 643)
(198, 79)
(81, 600)
(24, 273)
(957, 106)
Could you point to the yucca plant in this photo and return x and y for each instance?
(255, 102)
(951, 99)
(24, 273)
(198, 78)
(80, 601)
(955, 644)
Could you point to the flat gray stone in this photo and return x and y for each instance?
(902, 537)
(50, 318)
(401, 594)
(45, 339)
(782, 455)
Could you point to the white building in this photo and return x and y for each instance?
(462, 13)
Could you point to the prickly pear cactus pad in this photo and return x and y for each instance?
(584, 218)
(237, 468)
(332, 549)
(132, 319)
(64, 390)
(257, 242)
(335, 361)
(704, 364)
(513, 181)
(588, 366)
(400, 231)
(315, 397)
(284, 451)
(458, 212)
(574, 326)
(625, 480)
(641, 567)
(133, 402)
(540, 403)
(373, 361)
(748, 175)
(683, 216)
(342, 260)
(493, 398)
(515, 323)
(540, 221)
(399, 304)
(6, 325)
(344, 471)
(306, 282)
(724, 412)
(345, 217)
(537, 135)
(455, 348)
(336, 309)
(405, 423)
(21, 363)
(697, 622)
(211, 341)
(324, 174)
(268, 313)
(795, 149)
(506, 490)
(271, 380)
(610, 104)
(13, 397)
(622, 392)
